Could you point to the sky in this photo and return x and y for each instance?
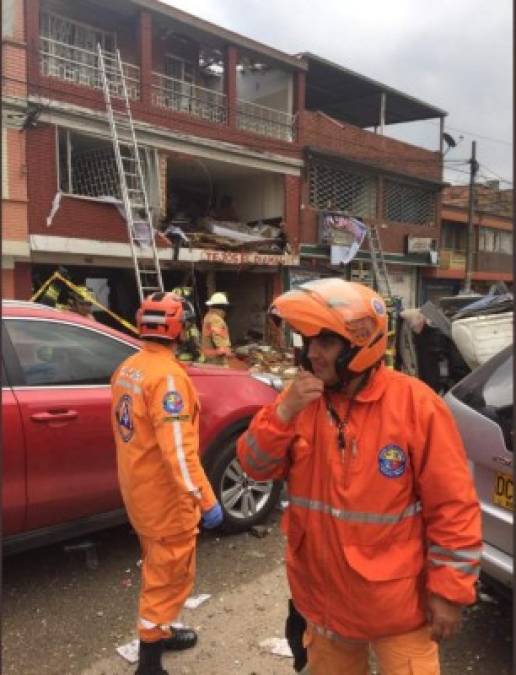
(454, 54)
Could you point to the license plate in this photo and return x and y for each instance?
(504, 491)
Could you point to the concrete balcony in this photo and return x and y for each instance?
(79, 66)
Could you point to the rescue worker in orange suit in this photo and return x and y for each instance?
(155, 418)
(383, 524)
(216, 343)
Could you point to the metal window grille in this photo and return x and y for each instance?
(94, 173)
(403, 203)
(342, 190)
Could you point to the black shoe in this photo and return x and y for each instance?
(182, 638)
(150, 659)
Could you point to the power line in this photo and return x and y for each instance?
(503, 180)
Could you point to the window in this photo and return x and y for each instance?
(494, 241)
(339, 189)
(69, 49)
(52, 353)
(87, 166)
(453, 236)
(404, 203)
(488, 390)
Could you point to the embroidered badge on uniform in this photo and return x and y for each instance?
(124, 417)
(378, 306)
(172, 402)
(392, 461)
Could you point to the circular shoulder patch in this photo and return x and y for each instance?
(378, 306)
(392, 461)
(172, 402)
(124, 417)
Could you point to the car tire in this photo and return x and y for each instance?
(238, 494)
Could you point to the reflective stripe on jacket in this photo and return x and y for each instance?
(369, 527)
(155, 417)
(215, 338)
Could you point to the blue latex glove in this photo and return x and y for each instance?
(213, 517)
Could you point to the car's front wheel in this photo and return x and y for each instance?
(245, 502)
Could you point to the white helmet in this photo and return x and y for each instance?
(218, 299)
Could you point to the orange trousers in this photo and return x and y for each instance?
(167, 579)
(411, 653)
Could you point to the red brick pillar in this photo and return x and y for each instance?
(22, 281)
(145, 45)
(32, 9)
(230, 85)
(291, 197)
(299, 103)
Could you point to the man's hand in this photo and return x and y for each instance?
(304, 389)
(444, 617)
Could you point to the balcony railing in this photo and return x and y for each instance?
(265, 121)
(80, 66)
(180, 96)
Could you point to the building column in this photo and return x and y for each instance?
(230, 85)
(291, 203)
(299, 103)
(145, 46)
(32, 10)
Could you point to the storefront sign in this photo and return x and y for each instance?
(421, 244)
(246, 258)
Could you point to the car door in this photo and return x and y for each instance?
(13, 462)
(64, 398)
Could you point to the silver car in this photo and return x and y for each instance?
(482, 404)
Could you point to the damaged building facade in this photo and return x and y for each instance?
(244, 148)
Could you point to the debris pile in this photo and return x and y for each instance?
(261, 358)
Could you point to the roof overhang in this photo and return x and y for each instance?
(346, 95)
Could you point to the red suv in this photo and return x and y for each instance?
(59, 466)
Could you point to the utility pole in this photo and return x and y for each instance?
(473, 168)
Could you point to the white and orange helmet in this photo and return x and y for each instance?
(351, 310)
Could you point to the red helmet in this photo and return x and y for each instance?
(353, 311)
(161, 315)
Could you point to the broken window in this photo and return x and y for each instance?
(69, 52)
(87, 166)
(342, 190)
(69, 49)
(404, 203)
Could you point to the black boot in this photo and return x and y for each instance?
(182, 638)
(150, 659)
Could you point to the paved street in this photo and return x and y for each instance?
(60, 617)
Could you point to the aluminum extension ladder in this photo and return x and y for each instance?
(130, 174)
(381, 275)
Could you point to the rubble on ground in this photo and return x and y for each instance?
(262, 358)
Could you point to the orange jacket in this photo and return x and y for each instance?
(369, 527)
(155, 417)
(215, 338)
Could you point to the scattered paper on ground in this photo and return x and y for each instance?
(195, 601)
(129, 651)
(277, 646)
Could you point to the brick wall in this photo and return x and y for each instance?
(324, 133)
(292, 195)
(14, 196)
